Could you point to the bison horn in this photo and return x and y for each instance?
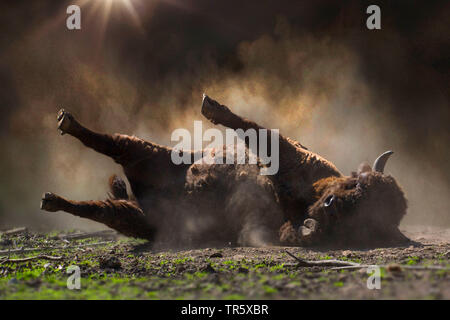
(380, 162)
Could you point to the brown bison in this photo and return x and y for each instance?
(307, 202)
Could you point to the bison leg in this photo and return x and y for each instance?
(122, 148)
(220, 114)
(102, 143)
(122, 215)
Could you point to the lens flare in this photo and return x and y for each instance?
(98, 14)
(105, 7)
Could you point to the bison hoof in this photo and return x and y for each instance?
(213, 110)
(65, 121)
(50, 202)
(308, 232)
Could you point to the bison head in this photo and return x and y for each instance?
(364, 208)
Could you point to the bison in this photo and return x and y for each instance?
(307, 202)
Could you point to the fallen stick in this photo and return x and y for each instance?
(84, 235)
(345, 265)
(362, 266)
(41, 256)
(323, 263)
(23, 250)
(14, 231)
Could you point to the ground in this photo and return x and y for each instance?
(124, 268)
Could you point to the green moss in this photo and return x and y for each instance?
(279, 277)
(277, 267)
(234, 297)
(412, 260)
(269, 289)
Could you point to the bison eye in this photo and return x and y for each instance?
(329, 201)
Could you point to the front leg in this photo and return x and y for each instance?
(102, 143)
(123, 149)
(122, 215)
(51, 202)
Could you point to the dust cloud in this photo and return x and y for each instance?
(323, 87)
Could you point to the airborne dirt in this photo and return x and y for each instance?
(124, 268)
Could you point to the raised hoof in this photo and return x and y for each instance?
(51, 202)
(214, 111)
(65, 121)
(308, 232)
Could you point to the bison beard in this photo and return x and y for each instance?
(307, 202)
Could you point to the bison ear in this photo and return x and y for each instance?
(364, 167)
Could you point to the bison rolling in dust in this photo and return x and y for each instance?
(308, 202)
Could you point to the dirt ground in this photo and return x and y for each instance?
(114, 267)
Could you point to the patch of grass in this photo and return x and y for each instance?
(280, 276)
(200, 274)
(412, 260)
(259, 266)
(182, 260)
(163, 262)
(277, 267)
(234, 297)
(152, 295)
(269, 290)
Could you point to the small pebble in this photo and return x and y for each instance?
(394, 267)
(347, 253)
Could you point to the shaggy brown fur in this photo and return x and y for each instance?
(365, 209)
(216, 203)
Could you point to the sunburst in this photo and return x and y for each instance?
(105, 8)
(100, 12)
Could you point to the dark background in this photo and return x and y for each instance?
(142, 71)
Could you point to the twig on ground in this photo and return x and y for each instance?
(84, 235)
(362, 266)
(342, 265)
(23, 250)
(323, 263)
(14, 231)
(41, 256)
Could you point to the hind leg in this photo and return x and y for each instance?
(102, 143)
(122, 148)
(124, 216)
